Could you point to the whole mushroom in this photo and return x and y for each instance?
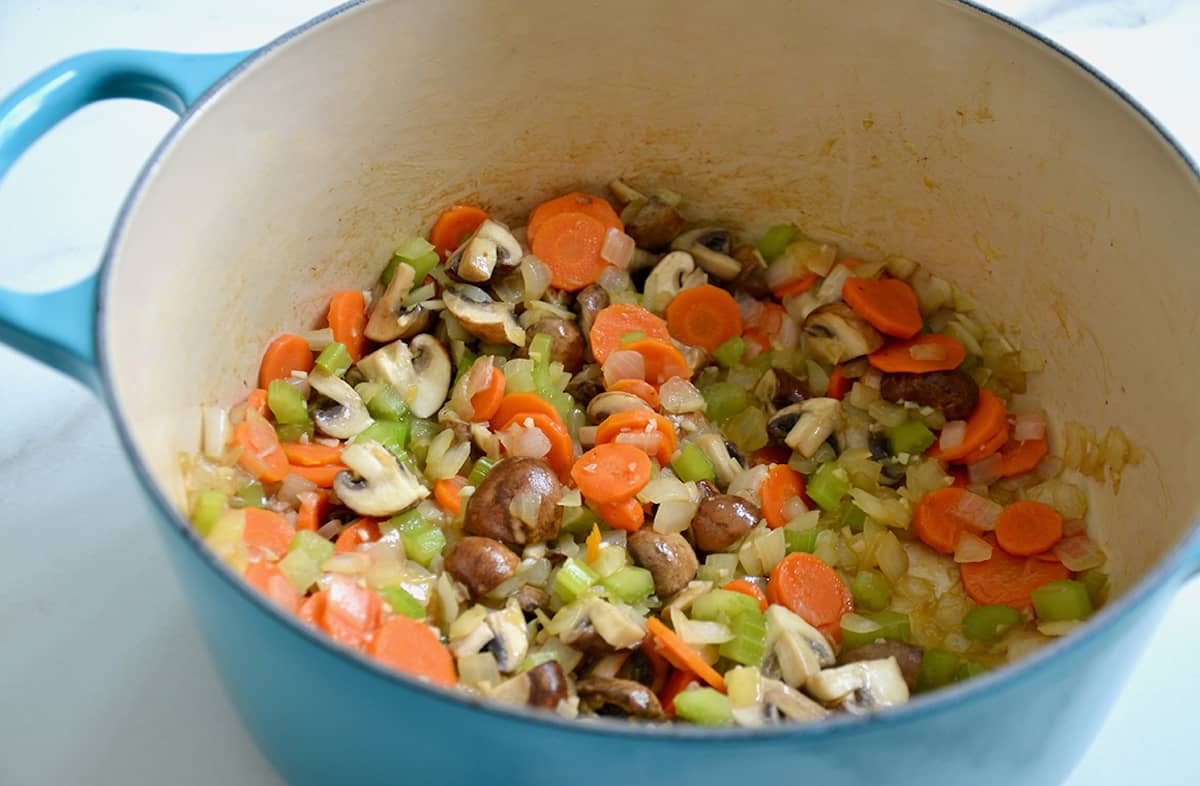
(516, 503)
(481, 564)
(617, 697)
(567, 344)
(722, 520)
(669, 558)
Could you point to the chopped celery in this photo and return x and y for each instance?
(536, 658)
(421, 433)
(749, 640)
(730, 352)
(251, 495)
(632, 336)
(888, 625)
(1062, 600)
(772, 244)
(423, 265)
(334, 359)
(413, 248)
(227, 541)
(422, 539)
(828, 485)
(704, 706)
(386, 403)
(292, 432)
(911, 437)
(539, 349)
(402, 602)
(207, 509)
(872, 591)
(989, 623)
(392, 434)
(573, 578)
(747, 430)
(692, 465)
(724, 400)
(805, 540)
(415, 252)
(1097, 586)
(852, 516)
(723, 606)
(969, 669)
(630, 585)
(578, 521)
(286, 402)
(938, 669)
(480, 471)
(307, 553)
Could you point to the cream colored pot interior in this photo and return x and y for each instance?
(923, 128)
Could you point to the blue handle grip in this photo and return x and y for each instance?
(58, 328)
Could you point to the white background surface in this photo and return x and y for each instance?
(103, 679)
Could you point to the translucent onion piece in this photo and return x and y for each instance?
(525, 442)
(986, 472)
(1079, 553)
(678, 396)
(536, 277)
(351, 563)
(980, 511)
(648, 443)
(623, 364)
(972, 548)
(927, 352)
(674, 516)
(292, 487)
(1029, 425)
(696, 632)
(617, 249)
(953, 434)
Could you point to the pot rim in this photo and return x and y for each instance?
(1006, 677)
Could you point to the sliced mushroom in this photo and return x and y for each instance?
(624, 192)
(860, 687)
(954, 393)
(778, 699)
(669, 558)
(390, 318)
(717, 452)
(794, 650)
(344, 415)
(908, 657)
(655, 224)
(587, 384)
(509, 643)
(392, 364)
(618, 624)
(621, 698)
(837, 334)
(711, 248)
(481, 564)
(377, 483)
(567, 344)
(483, 317)
(819, 417)
(490, 246)
(788, 389)
(722, 520)
(545, 685)
(674, 273)
(612, 402)
(515, 490)
(590, 301)
(531, 598)
(782, 423)
(753, 278)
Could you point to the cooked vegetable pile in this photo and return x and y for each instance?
(618, 464)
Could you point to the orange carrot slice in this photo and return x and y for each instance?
(615, 322)
(283, 356)
(927, 352)
(888, 304)
(704, 316)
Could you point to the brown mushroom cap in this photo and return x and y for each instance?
(567, 344)
(722, 520)
(490, 509)
(481, 564)
(547, 685)
(622, 698)
(590, 301)
(908, 657)
(669, 558)
(954, 393)
(655, 225)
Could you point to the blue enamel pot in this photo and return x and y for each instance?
(934, 129)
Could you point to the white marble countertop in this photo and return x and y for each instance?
(103, 679)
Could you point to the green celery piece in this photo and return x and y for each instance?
(911, 437)
(402, 602)
(938, 669)
(805, 541)
(422, 545)
(207, 509)
(579, 521)
(293, 432)
(893, 626)
(632, 336)
(852, 516)
(749, 640)
(704, 706)
(480, 471)
(989, 623)
(392, 434)
(539, 349)
(311, 544)
(306, 555)
(573, 578)
(828, 485)
(773, 243)
(724, 400)
(968, 670)
(413, 248)
(872, 591)
(535, 659)
(386, 403)
(334, 359)
(252, 495)
(721, 605)
(1097, 586)
(730, 352)
(747, 430)
(389, 270)
(287, 403)
(1062, 600)
(630, 585)
(692, 464)
(423, 265)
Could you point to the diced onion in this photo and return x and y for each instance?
(617, 249)
(927, 352)
(986, 472)
(647, 443)
(794, 508)
(1074, 527)
(330, 529)
(1079, 553)
(525, 442)
(587, 436)
(292, 487)
(981, 512)
(697, 632)
(623, 364)
(856, 623)
(892, 558)
(1058, 627)
(216, 431)
(678, 396)
(525, 506)
(349, 563)
(665, 489)
(831, 288)
(1029, 425)
(953, 434)
(674, 516)
(536, 277)
(972, 548)
(614, 281)
(318, 339)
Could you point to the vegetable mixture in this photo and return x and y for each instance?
(612, 463)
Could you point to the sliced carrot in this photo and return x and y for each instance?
(284, 355)
(323, 475)
(941, 517)
(628, 514)
(639, 422)
(268, 531)
(522, 403)
(839, 384)
(990, 416)
(267, 578)
(351, 611)
(314, 507)
(619, 320)
(446, 493)
(806, 585)
(575, 202)
(677, 683)
(257, 401)
(637, 387)
(569, 244)
(1026, 528)
(348, 320)
(1021, 457)
(704, 316)
(411, 646)
(748, 588)
(314, 454)
(312, 608)
(454, 226)
(681, 655)
(361, 531)
(562, 450)
(486, 402)
(988, 448)
(611, 472)
(1008, 580)
(798, 287)
(663, 361)
(927, 352)
(771, 454)
(593, 544)
(781, 485)
(262, 455)
(889, 304)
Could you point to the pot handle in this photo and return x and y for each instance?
(58, 327)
